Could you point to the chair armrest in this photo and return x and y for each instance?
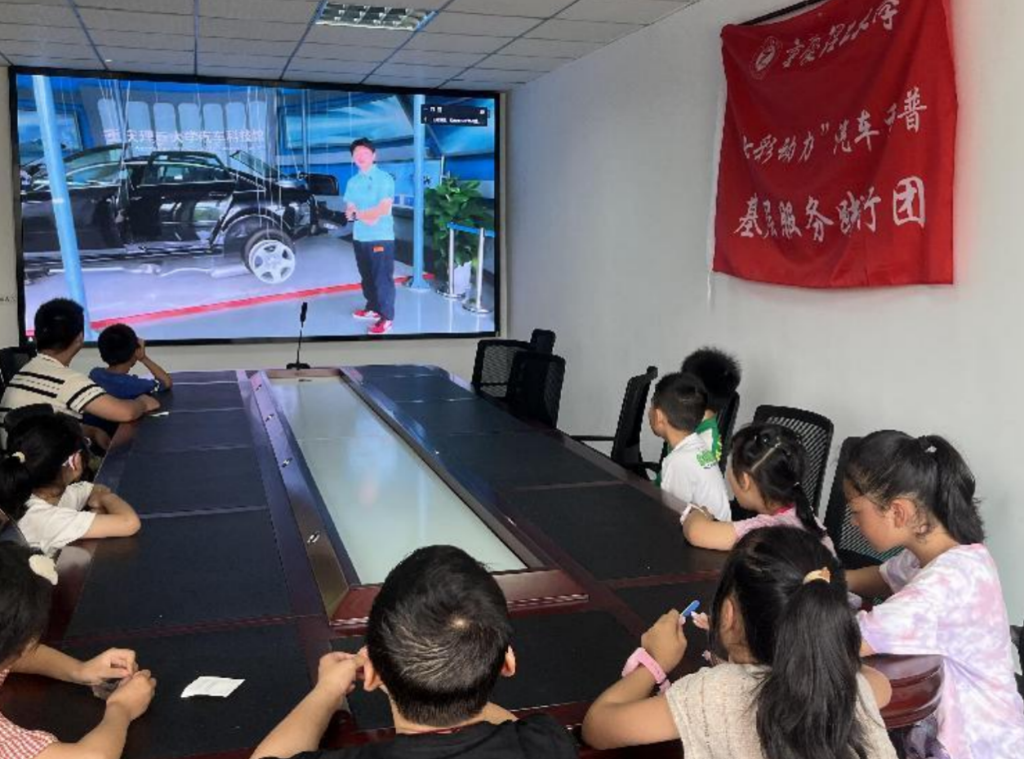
(592, 438)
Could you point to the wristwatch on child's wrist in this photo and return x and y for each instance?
(640, 658)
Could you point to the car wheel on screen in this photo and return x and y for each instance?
(270, 255)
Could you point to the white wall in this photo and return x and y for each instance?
(455, 355)
(610, 177)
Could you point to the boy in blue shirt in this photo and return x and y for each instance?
(369, 196)
(121, 349)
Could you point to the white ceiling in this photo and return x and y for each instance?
(469, 44)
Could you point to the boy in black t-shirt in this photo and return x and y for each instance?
(437, 641)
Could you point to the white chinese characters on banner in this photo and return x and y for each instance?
(855, 213)
(805, 51)
(190, 139)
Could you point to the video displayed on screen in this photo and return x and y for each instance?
(199, 211)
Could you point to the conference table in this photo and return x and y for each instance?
(275, 502)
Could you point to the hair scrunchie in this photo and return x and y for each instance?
(18, 455)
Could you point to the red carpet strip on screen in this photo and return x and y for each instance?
(228, 305)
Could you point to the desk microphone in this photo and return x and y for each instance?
(297, 364)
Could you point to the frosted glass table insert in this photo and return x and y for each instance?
(383, 498)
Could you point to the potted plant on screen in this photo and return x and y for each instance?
(456, 201)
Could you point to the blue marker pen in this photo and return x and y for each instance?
(688, 611)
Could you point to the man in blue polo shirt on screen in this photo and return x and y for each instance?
(369, 196)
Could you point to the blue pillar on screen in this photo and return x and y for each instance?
(49, 132)
(419, 144)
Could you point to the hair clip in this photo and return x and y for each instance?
(823, 574)
(19, 456)
(926, 444)
(44, 567)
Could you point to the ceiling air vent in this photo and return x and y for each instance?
(373, 17)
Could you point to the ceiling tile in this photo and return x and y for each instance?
(522, 63)
(30, 49)
(61, 3)
(493, 75)
(434, 58)
(326, 77)
(477, 24)
(419, 72)
(115, 56)
(180, 7)
(294, 12)
(28, 34)
(531, 8)
(123, 21)
(277, 48)
(250, 30)
(229, 60)
(340, 35)
(63, 63)
(631, 12)
(551, 48)
(320, 65)
(344, 52)
(147, 41)
(241, 73)
(581, 31)
(455, 43)
(157, 68)
(44, 15)
(483, 86)
(401, 81)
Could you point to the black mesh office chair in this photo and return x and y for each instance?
(493, 366)
(815, 432)
(854, 551)
(542, 341)
(535, 387)
(11, 361)
(626, 441)
(726, 425)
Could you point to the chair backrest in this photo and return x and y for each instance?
(726, 425)
(854, 551)
(815, 433)
(626, 444)
(542, 341)
(11, 361)
(535, 388)
(493, 366)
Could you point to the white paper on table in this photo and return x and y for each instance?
(217, 687)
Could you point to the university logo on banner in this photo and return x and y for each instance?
(836, 168)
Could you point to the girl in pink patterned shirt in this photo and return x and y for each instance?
(943, 592)
(766, 469)
(26, 582)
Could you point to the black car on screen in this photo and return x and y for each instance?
(174, 203)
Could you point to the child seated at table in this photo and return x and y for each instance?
(943, 592)
(720, 374)
(438, 639)
(766, 469)
(792, 686)
(690, 471)
(26, 584)
(121, 349)
(41, 487)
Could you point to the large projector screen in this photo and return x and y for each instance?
(205, 211)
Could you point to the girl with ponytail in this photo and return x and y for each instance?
(793, 686)
(40, 487)
(765, 473)
(943, 595)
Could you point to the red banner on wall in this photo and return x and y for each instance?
(837, 158)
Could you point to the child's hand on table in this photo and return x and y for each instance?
(338, 673)
(134, 694)
(665, 641)
(112, 664)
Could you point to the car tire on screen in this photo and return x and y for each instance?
(270, 255)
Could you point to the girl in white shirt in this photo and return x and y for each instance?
(40, 487)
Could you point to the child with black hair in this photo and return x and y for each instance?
(765, 473)
(943, 592)
(26, 584)
(121, 349)
(690, 471)
(793, 686)
(48, 378)
(41, 487)
(721, 375)
(438, 639)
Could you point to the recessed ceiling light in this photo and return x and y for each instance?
(108, 60)
(373, 17)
